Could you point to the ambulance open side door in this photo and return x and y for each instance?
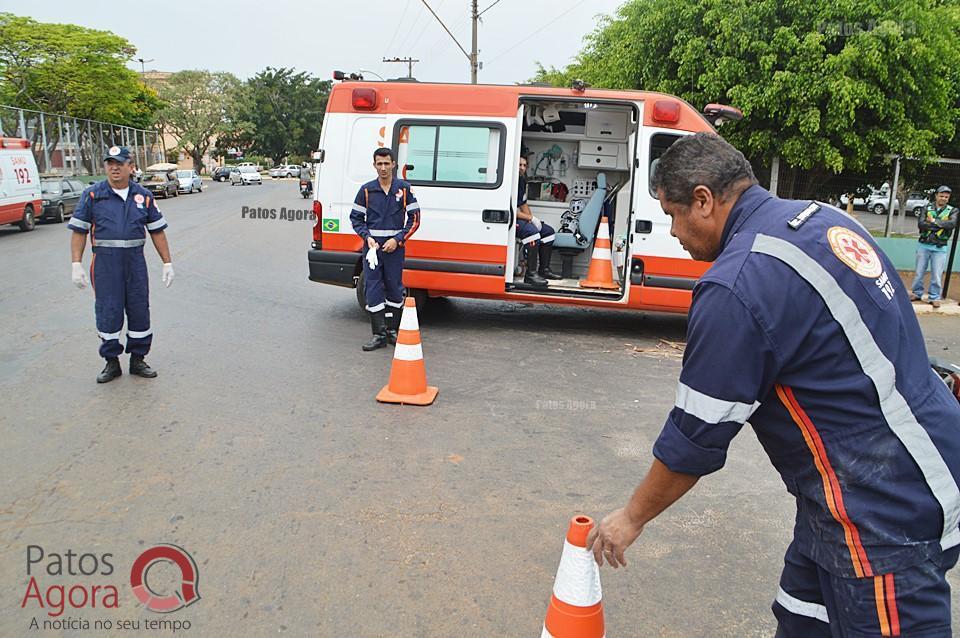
(465, 181)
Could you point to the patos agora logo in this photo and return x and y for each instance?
(163, 602)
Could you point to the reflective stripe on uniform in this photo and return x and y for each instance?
(376, 308)
(118, 243)
(529, 240)
(135, 334)
(406, 352)
(107, 336)
(802, 607)
(79, 224)
(157, 224)
(394, 304)
(412, 207)
(710, 409)
(375, 232)
(897, 413)
(548, 238)
(360, 209)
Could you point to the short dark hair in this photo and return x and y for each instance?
(701, 159)
(384, 152)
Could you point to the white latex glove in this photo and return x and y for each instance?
(536, 222)
(372, 258)
(79, 275)
(167, 277)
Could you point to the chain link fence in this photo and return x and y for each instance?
(73, 146)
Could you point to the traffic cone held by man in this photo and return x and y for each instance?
(575, 609)
(408, 376)
(600, 273)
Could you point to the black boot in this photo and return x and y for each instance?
(546, 251)
(111, 371)
(532, 277)
(140, 368)
(392, 321)
(379, 328)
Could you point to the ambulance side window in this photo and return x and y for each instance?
(453, 154)
(659, 143)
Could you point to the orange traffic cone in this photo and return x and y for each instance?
(576, 610)
(600, 273)
(408, 377)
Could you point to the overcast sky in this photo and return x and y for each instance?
(319, 35)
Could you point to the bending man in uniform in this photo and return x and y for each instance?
(385, 214)
(116, 212)
(802, 326)
(536, 237)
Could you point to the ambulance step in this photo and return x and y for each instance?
(565, 288)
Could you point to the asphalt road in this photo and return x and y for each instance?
(312, 510)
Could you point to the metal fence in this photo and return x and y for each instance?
(64, 145)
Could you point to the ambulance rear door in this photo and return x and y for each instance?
(461, 172)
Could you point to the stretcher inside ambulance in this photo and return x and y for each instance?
(589, 155)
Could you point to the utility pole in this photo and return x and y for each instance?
(473, 56)
(408, 61)
(474, 17)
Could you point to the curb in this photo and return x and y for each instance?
(947, 307)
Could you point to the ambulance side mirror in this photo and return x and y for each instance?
(408, 167)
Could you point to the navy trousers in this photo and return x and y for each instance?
(120, 283)
(384, 284)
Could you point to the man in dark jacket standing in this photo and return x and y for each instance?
(936, 225)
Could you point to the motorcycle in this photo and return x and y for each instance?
(306, 188)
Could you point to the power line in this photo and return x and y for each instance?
(399, 22)
(526, 38)
(496, 2)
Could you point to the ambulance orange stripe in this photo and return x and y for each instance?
(881, 608)
(831, 486)
(891, 597)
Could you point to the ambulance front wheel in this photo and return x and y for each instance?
(419, 295)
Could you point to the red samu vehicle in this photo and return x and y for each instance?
(590, 154)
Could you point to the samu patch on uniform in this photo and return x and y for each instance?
(138, 198)
(854, 251)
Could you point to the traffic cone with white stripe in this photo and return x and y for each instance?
(600, 273)
(408, 376)
(575, 609)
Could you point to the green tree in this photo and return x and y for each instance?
(282, 112)
(198, 106)
(828, 86)
(71, 70)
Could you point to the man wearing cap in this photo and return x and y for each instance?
(116, 212)
(936, 226)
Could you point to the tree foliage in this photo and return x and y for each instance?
(71, 70)
(280, 113)
(198, 107)
(828, 86)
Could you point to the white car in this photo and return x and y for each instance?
(285, 170)
(244, 175)
(189, 181)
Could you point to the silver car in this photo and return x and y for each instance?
(244, 175)
(189, 181)
(916, 203)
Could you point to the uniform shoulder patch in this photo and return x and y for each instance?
(854, 251)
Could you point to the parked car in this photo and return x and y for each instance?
(256, 167)
(244, 175)
(189, 181)
(60, 198)
(161, 183)
(877, 203)
(285, 170)
(222, 173)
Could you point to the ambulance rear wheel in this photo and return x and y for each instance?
(28, 222)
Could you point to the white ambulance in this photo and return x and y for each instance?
(20, 200)
(590, 154)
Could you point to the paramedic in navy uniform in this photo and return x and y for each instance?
(535, 236)
(117, 213)
(385, 214)
(802, 327)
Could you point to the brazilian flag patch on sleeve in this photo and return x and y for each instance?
(331, 225)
